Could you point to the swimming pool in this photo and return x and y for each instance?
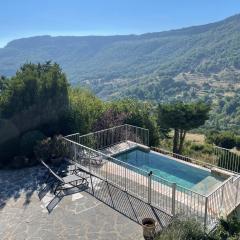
(186, 175)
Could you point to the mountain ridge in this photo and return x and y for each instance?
(236, 16)
(104, 61)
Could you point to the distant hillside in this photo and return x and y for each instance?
(118, 65)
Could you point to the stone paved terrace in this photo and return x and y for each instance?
(77, 216)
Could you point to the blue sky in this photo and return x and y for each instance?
(23, 18)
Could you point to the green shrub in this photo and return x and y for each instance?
(237, 142)
(9, 141)
(208, 149)
(58, 147)
(190, 229)
(185, 229)
(8, 150)
(225, 140)
(28, 141)
(227, 229)
(50, 148)
(197, 147)
(222, 139)
(211, 136)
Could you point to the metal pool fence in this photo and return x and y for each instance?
(227, 159)
(112, 136)
(222, 158)
(158, 192)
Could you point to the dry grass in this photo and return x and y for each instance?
(195, 137)
(192, 137)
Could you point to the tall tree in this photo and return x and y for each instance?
(36, 98)
(182, 117)
(36, 95)
(85, 110)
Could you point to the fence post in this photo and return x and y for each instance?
(90, 168)
(222, 197)
(125, 182)
(236, 197)
(75, 153)
(136, 141)
(205, 213)
(150, 187)
(174, 185)
(126, 133)
(107, 169)
(147, 137)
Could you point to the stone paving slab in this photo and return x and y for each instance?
(77, 216)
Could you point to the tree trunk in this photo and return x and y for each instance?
(175, 141)
(181, 140)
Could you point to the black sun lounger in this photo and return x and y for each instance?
(58, 184)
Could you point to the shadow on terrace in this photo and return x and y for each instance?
(22, 183)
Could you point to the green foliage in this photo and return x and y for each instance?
(3, 83)
(211, 136)
(190, 229)
(221, 117)
(85, 109)
(237, 142)
(9, 141)
(36, 98)
(208, 149)
(140, 114)
(110, 118)
(8, 150)
(185, 229)
(35, 88)
(184, 116)
(197, 147)
(50, 148)
(158, 88)
(28, 141)
(227, 229)
(222, 139)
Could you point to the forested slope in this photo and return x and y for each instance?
(112, 64)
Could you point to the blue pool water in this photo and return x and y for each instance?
(172, 170)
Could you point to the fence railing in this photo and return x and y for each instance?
(223, 200)
(227, 159)
(156, 191)
(112, 136)
(124, 175)
(220, 161)
(184, 158)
